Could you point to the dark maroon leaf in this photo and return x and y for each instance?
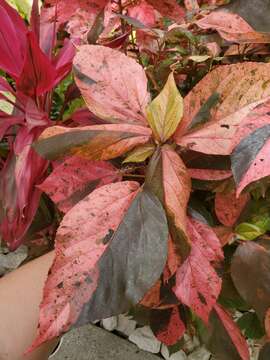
(223, 337)
(250, 271)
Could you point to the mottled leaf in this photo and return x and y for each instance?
(75, 178)
(97, 142)
(228, 208)
(165, 111)
(250, 158)
(238, 89)
(133, 262)
(176, 187)
(232, 28)
(81, 239)
(113, 85)
(197, 283)
(167, 325)
(168, 8)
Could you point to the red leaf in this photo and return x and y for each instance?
(168, 8)
(176, 187)
(113, 85)
(18, 195)
(232, 28)
(79, 245)
(75, 178)
(97, 142)
(12, 40)
(197, 284)
(63, 61)
(38, 75)
(228, 208)
(167, 325)
(233, 331)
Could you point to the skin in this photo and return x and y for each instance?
(20, 296)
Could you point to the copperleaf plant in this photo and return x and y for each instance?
(127, 241)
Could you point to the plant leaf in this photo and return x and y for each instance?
(113, 85)
(168, 8)
(38, 74)
(250, 158)
(12, 32)
(140, 154)
(197, 284)
(167, 325)
(232, 27)
(250, 272)
(228, 208)
(81, 239)
(176, 187)
(165, 111)
(75, 178)
(97, 142)
(134, 260)
(232, 100)
(223, 337)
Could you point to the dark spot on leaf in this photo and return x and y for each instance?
(108, 237)
(202, 299)
(60, 285)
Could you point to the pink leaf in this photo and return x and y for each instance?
(113, 85)
(209, 174)
(75, 178)
(79, 245)
(197, 284)
(177, 187)
(232, 28)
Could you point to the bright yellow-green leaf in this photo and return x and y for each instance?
(140, 154)
(6, 106)
(23, 7)
(165, 111)
(199, 58)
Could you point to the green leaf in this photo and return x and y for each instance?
(250, 325)
(140, 154)
(247, 231)
(165, 111)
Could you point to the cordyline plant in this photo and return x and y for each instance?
(29, 96)
(159, 193)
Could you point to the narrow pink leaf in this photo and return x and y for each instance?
(197, 283)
